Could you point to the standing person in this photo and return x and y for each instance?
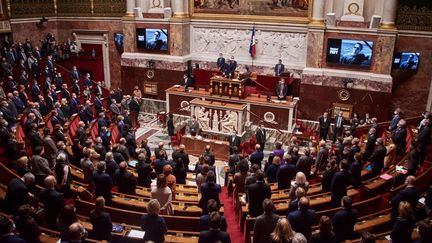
(234, 142)
(257, 156)
(144, 170)
(404, 225)
(409, 194)
(52, 201)
(377, 157)
(101, 221)
(303, 219)
(256, 193)
(283, 233)
(413, 159)
(209, 190)
(220, 62)
(325, 234)
(279, 68)
(163, 194)
(399, 135)
(26, 224)
(324, 125)
(344, 220)
(423, 139)
(7, 234)
(338, 126)
(212, 206)
(18, 193)
(300, 181)
(395, 120)
(341, 180)
(214, 234)
(154, 225)
(282, 89)
(170, 124)
(261, 136)
(102, 182)
(265, 223)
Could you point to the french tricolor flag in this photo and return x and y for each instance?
(252, 46)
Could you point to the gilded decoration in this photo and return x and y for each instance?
(109, 8)
(74, 8)
(68, 8)
(31, 8)
(262, 10)
(414, 15)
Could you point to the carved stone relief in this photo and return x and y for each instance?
(291, 47)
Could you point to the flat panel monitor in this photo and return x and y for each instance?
(350, 52)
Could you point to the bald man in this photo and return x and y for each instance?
(159, 148)
(207, 153)
(77, 232)
(409, 194)
(52, 201)
(125, 180)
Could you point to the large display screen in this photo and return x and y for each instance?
(350, 52)
(406, 60)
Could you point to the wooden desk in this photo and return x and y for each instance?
(196, 146)
(281, 114)
(227, 87)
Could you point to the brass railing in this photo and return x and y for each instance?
(66, 8)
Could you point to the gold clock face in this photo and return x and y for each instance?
(150, 74)
(344, 94)
(156, 3)
(353, 8)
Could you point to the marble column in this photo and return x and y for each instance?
(389, 14)
(130, 5)
(318, 12)
(180, 8)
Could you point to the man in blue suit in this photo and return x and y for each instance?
(220, 61)
(395, 120)
(302, 219)
(344, 220)
(75, 74)
(279, 68)
(257, 156)
(339, 184)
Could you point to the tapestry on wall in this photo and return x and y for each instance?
(414, 15)
(291, 8)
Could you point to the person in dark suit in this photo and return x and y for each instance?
(285, 174)
(355, 170)
(355, 148)
(305, 162)
(395, 120)
(409, 194)
(234, 141)
(209, 190)
(265, 223)
(154, 225)
(413, 159)
(404, 225)
(370, 144)
(423, 139)
(214, 234)
(324, 125)
(144, 170)
(7, 234)
(344, 220)
(399, 135)
(170, 124)
(256, 193)
(338, 126)
(340, 181)
(322, 156)
(220, 62)
(207, 153)
(377, 157)
(256, 156)
(261, 136)
(325, 234)
(183, 156)
(212, 206)
(279, 68)
(18, 193)
(303, 219)
(230, 67)
(52, 201)
(75, 74)
(102, 182)
(35, 91)
(101, 221)
(282, 89)
(125, 180)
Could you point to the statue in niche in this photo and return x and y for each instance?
(215, 122)
(203, 119)
(229, 122)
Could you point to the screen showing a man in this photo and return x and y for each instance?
(157, 39)
(356, 53)
(409, 61)
(118, 40)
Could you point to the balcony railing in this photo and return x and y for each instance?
(66, 8)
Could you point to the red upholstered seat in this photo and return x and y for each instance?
(115, 134)
(94, 132)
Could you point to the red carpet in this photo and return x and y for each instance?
(231, 218)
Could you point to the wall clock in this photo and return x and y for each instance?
(156, 3)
